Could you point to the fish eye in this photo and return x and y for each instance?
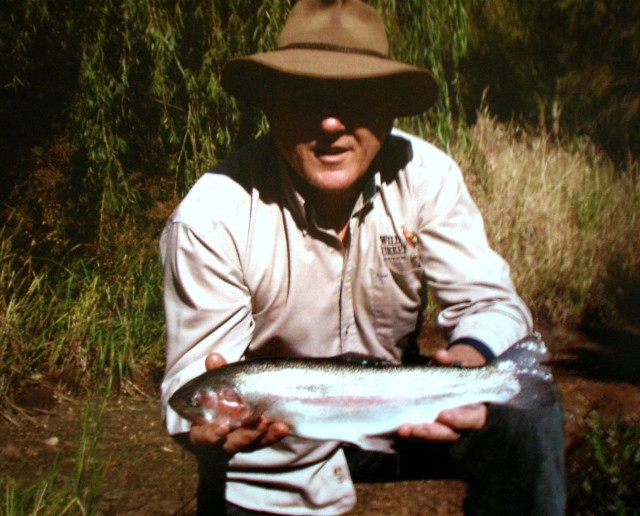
(193, 401)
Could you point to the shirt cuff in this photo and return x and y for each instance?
(476, 344)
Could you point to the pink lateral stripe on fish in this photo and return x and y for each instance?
(360, 403)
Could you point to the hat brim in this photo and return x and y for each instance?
(412, 90)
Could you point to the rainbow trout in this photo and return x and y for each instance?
(360, 401)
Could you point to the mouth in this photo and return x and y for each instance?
(331, 154)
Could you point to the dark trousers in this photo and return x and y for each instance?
(514, 465)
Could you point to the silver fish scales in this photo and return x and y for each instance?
(360, 401)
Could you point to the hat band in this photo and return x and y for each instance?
(334, 48)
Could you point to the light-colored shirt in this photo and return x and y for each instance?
(249, 274)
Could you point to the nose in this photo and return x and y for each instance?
(332, 124)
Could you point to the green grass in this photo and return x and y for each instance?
(562, 215)
(145, 116)
(77, 493)
(608, 482)
(81, 319)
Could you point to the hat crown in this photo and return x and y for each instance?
(348, 24)
(333, 40)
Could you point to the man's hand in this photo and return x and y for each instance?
(258, 434)
(450, 423)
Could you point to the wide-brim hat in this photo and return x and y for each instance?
(337, 40)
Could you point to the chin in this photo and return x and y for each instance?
(333, 187)
(335, 179)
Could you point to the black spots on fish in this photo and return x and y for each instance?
(361, 359)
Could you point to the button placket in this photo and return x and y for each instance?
(348, 334)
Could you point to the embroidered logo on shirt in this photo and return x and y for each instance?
(410, 237)
(395, 250)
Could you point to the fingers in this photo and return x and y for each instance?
(263, 433)
(442, 357)
(244, 438)
(207, 434)
(460, 355)
(275, 432)
(429, 431)
(449, 425)
(256, 435)
(469, 417)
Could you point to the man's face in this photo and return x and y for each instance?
(329, 132)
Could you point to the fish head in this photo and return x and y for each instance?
(220, 404)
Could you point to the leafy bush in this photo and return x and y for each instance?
(566, 66)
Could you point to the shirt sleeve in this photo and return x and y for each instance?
(470, 282)
(207, 305)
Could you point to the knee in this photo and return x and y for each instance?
(515, 461)
(544, 423)
(534, 433)
(515, 435)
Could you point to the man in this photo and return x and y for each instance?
(322, 239)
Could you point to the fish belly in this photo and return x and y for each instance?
(361, 410)
(359, 421)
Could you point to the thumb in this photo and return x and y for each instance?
(443, 357)
(213, 361)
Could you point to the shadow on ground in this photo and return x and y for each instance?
(612, 355)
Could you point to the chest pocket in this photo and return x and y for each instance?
(397, 300)
(398, 294)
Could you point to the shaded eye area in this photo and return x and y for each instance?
(315, 103)
(193, 400)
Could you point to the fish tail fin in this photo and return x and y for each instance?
(525, 359)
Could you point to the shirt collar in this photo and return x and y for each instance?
(292, 198)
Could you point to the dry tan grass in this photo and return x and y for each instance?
(564, 218)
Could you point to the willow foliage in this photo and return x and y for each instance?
(142, 93)
(149, 97)
(432, 35)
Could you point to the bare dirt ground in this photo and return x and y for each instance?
(145, 472)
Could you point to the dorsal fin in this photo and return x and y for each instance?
(363, 360)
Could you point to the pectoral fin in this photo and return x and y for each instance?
(377, 444)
